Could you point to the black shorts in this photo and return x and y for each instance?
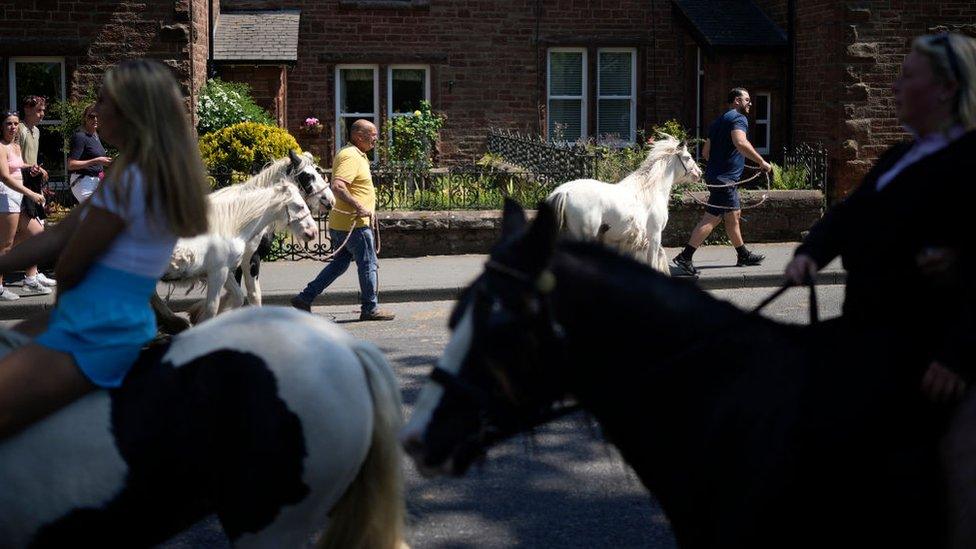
(722, 200)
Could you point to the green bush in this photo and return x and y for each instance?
(223, 104)
(412, 138)
(674, 129)
(72, 115)
(790, 178)
(245, 148)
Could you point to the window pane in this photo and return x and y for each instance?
(615, 73)
(38, 78)
(566, 73)
(51, 153)
(409, 89)
(345, 123)
(565, 120)
(613, 118)
(356, 91)
(762, 107)
(759, 136)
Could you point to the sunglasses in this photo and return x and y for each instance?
(943, 40)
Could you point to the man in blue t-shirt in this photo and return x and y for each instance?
(724, 151)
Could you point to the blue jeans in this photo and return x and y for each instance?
(360, 249)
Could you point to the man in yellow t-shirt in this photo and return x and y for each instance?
(352, 184)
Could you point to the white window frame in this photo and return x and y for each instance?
(389, 86)
(765, 121)
(12, 82)
(375, 115)
(633, 89)
(584, 91)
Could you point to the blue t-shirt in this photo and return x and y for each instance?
(725, 162)
(85, 146)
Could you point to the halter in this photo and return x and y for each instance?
(292, 219)
(508, 414)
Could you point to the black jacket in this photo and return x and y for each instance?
(879, 236)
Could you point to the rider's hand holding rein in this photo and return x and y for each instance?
(801, 269)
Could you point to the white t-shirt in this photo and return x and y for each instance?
(146, 244)
(924, 146)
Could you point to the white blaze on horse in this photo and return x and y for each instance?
(630, 215)
(278, 422)
(235, 220)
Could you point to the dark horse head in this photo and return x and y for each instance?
(491, 381)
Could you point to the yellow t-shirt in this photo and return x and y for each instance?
(352, 166)
(28, 143)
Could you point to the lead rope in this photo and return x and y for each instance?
(375, 226)
(765, 196)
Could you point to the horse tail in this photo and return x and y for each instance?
(371, 512)
(558, 202)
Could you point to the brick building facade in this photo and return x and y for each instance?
(582, 68)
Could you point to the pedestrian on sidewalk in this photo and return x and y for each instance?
(32, 214)
(350, 225)
(724, 150)
(13, 193)
(910, 296)
(87, 159)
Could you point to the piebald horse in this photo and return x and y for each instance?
(276, 421)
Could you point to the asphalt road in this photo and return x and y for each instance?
(563, 488)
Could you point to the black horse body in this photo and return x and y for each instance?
(750, 433)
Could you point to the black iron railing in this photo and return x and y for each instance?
(559, 162)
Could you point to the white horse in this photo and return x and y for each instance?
(629, 215)
(302, 171)
(234, 222)
(278, 422)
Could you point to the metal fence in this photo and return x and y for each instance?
(811, 157)
(560, 163)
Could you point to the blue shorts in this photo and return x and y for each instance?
(722, 200)
(103, 323)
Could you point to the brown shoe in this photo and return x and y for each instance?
(378, 314)
(297, 303)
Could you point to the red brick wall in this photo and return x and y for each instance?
(848, 55)
(486, 67)
(268, 85)
(94, 35)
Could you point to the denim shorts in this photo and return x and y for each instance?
(103, 323)
(722, 200)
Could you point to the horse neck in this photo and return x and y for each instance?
(650, 406)
(250, 213)
(651, 183)
(269, 176)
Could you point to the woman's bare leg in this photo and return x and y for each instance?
(8, 230)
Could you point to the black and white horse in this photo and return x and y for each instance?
(279, 423)
(751, 433)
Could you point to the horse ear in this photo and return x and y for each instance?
(513, 218)
(296, 160)
(544, 231)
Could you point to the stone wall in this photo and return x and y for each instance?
(413, 234)
(94, 35)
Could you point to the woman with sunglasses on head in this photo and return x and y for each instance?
(87, 157)
(12, 193)
(110, 251)
(910, 302)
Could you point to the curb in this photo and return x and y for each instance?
(18, 310)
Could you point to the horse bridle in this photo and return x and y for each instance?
(307, 187)
(508, 414)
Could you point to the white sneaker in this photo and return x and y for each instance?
(49, 282)
(34, 286)
(7, 295)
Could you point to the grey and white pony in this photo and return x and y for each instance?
(302, 171)
(630, 215)
(278, 422)
(235, 220)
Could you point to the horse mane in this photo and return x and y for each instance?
(272, 173)
(228, 213)
(650, 173)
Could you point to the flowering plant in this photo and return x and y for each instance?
(311, 121)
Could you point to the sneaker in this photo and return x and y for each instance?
(686, 265)
(750, 259)
(7, 295)
(378, 314)
(34, 286)
(43, 279)
(297, 303)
